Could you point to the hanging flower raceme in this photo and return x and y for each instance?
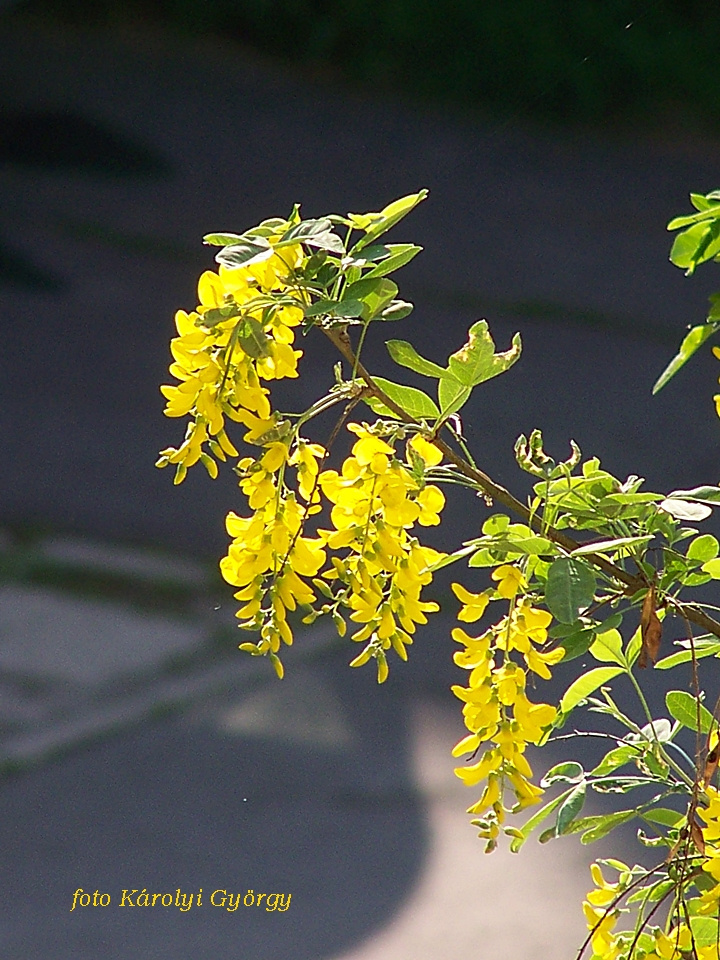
(496, 709)
(710, 899)
(270, 558)
(241, 333)
(381, 570)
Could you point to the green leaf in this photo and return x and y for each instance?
(343, 309)
(542, 814)
(570, 588)
(215, 315)
(710, 495)
(379, 251)
(412, 400)
(577, 644)
(376, 293)
(685, 656)
(569, 772)
(615, 759)
(700, 202)
(704, 930)
(610, 623)
(483, 558)
(608, 647)
(703, 548)
(712, 567)
(708, 213)
(388, 217)
(605, 546)
(663, 816)
(605, 824)
(686, 509)
(253, 338)
(400, 254)
(532, 546)
(585, 685)
(222, 239)
(244, 253)
(658, 891)
(476, 361)
(691, 343)
(570, 808)
(314, 233)
(684, 708)
(405, 354)
(496, 523)
(633, 648)
(452, 395)
(695, 245)
(397, 310)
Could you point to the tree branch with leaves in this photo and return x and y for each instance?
(586, 556)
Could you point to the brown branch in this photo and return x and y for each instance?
(340, 339)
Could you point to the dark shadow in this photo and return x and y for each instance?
(61, 140)
(21, 271)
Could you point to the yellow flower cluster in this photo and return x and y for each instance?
(240, 333)
(269, 556)
(239, 337)
(677, 942)
(602, 915)
(710, 900)
(376, 500)
(378, 570)
(496, 709)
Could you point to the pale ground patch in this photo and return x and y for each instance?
(471, 905)
(45, 633)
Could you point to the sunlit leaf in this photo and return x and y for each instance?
(399, 255)
(387, 218)
(608, 647)
(605, 546)
(691, 343)
(684, 708)
(568, 772)
(375, 293)
(405, 354)
(705, 494)
(588, 683)
(476, 361)
(530, 824)
(413, 401)
(314, 233)
(703, 548)
(685, 656)
(663, 816)
(452, 395)
(615, 759)
(244, 253)
(571, 808)
(686, 509)
(221, 239)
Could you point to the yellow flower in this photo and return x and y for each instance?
(510, 580)
(428, 451)
(602, 924)
(474, 604)
(431, 500)
(605, 893)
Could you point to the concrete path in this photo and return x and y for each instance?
(177, 764)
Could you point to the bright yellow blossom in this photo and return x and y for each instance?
(474, 604)
(511, 580)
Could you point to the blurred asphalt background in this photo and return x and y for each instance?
(140, 749)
